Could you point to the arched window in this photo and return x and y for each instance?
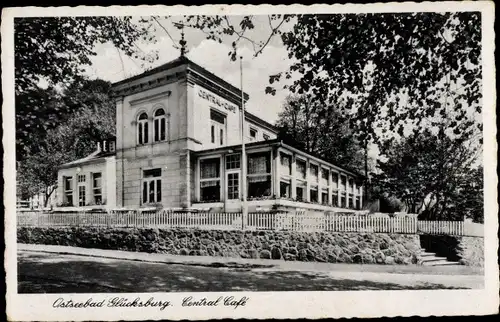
(160, 125)
(142, 129)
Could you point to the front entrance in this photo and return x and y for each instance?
(233, 185)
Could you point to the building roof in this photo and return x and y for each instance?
(95, 157)
(279, 142)
(226, 90)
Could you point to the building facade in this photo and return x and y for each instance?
(178, 145)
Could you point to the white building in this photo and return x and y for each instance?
(178, 145)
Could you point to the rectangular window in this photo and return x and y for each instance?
(151, 186)
(299, 191)
(324, 198)
(233, 161)
(233, 186)
(351, 185)
(210, 180)
(343, 183)
(286, 163)
(335, 199)
(300, 168)
(217, 117)
(285, 189)
(68, 190)
(313, 194)
(314, 172)
(342, 201)
(217, 129)
(324, 177)
(253, 133)
(351, 204)
(81, 178)
(358, 203)
(81, 196)
(335, 180)
(259, 175)
(97, 187)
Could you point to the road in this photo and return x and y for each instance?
(40, 272)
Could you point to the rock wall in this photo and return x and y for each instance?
(290, 246)
(471, 251)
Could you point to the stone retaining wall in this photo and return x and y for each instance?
(317, 246)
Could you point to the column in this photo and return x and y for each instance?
(276, 173)
(293, 181)
(339, 192)
(320, 191)
(308, 185)
(330, 188)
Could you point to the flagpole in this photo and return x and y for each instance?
(244, 206)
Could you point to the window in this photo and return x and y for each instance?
(233, 185)
(81, 178)
(253, 133)
(299, 191)
(142, 129)
(358, 203)
(335, 181)
(342, 201)
(151, 186)
(313, 194)
(210, 179)
(266, 137)
(335, 199)
(68, 190)
(314, 172)
(351, 204)
(217, 127)
(351, 185)
(300, 168)
(81, 195)
(259, 175)
(285, 189)
(324, 177)
(160, 125)
(324, 198)
(233, 161)
(286, 163)
(97, 187)
(343, 183)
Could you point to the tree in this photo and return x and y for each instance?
(398, 69)
(319, 130)
(55, 51)
(93, 119)
(433, 176)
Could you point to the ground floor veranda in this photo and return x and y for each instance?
(279, 176)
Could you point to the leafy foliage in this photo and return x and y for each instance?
(54, 51)
(434, 176)
(220, 28)
(93, 119)
(422, 69)
(319, 130)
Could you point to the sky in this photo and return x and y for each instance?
(112, 66)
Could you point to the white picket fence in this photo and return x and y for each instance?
(299, 221)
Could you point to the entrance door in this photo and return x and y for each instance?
(233, 186)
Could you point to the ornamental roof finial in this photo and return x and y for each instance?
(182, 42)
